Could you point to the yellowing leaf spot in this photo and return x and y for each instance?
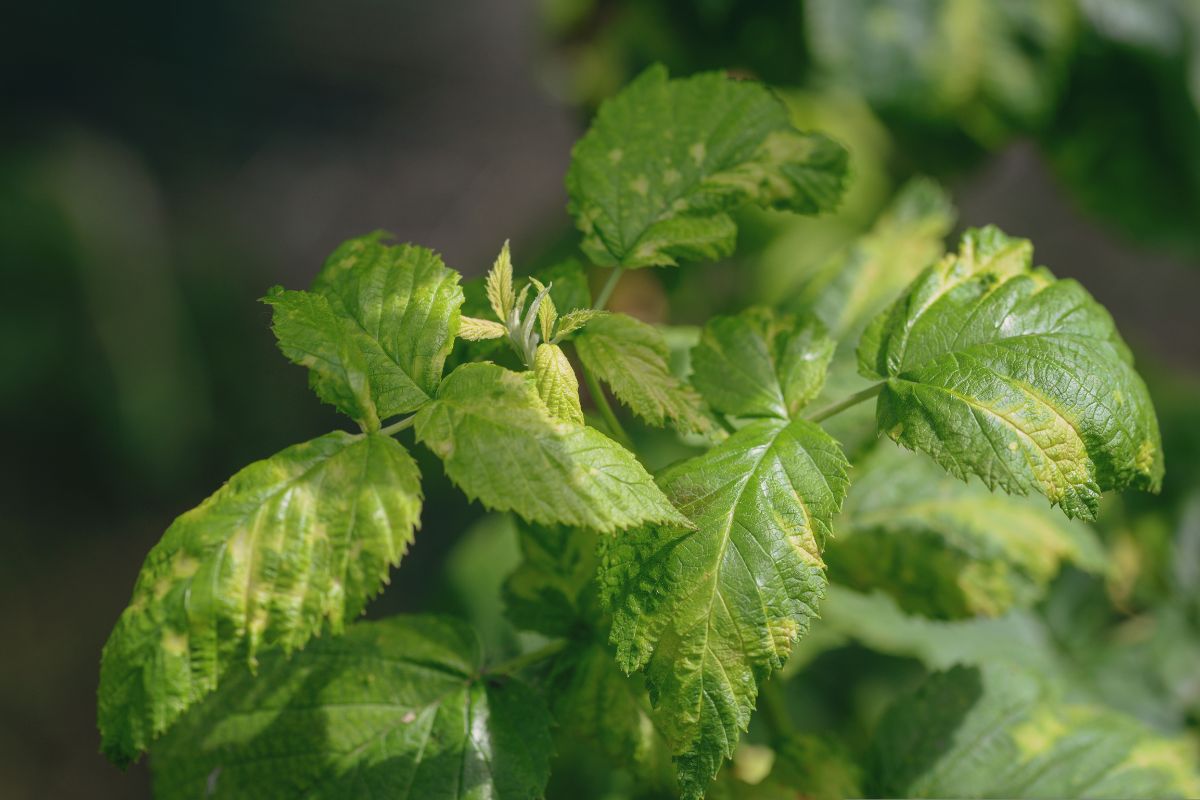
(1038, 735)
(175, 643)
(670, 176)
(698, 152)
(640, 185)
(1013, 446)
(1145, 457)
(615, 155)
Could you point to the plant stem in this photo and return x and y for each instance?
(609, 285)
(606, 411)
(396, 427)
(842, 405)
(524, 660)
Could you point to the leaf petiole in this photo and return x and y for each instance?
(840, 406)
(607, 290)
(396, 427)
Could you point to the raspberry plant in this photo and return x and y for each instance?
(668, 604)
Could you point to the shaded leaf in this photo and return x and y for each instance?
(396, 708)
(945, 548)
(998, 731)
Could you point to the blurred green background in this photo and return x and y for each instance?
(161, 165)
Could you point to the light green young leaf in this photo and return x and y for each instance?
(556, 383)
(575, 320)
(857, 284)
(547, 314)
(999, 731)
(405, 304)
(632, 358)
(945, 548)
(312, 335)
(664, 162)
(759, 364)
(396, 708)
(709, 613)
(999, 370)
(499, 283)
(291, 543)
(501, 446)
(474, 329)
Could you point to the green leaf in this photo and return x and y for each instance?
(556, 383)
(858, 283)
(474, 329)
(575, 320)
(999, 370)
(289, 543)
(404, 303)
(990, 67)
(501, 446)
(553, 592)
(499, 284)
(875, 621)
(549, 591)
(632, 358)
(759, 364)
(710, 612)
(998, 731)
(948, 549)
(396, 708)
(664, 162)
(312, 335)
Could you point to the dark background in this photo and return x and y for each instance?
(162, 164)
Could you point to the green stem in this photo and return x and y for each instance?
(396, 427)
(842, 405)
(524, 660)
(606, 411)
(609, 285)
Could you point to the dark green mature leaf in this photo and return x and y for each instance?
(405, 304)
(999, 731)
(857, 284)
(945, 548)
(553, 592)
(312, 335)
(289, 543)
(550, 591)
(501, 445)
(664, 162)
(633, 359)
(759, 364)
(999, 370)
(397, 708)
(708, 613)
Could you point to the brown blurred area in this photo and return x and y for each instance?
(161, 165)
